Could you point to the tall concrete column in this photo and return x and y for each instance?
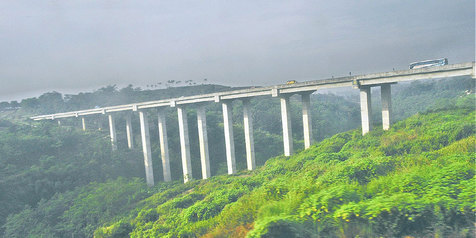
(249, 140)
(144, 129)
(203, 140)
(164, 147)
(59, 122)
(83, 122)
(306, 119)
(184, 144)
(365, 109)
(287, 128)
(386, 94)
(229, 142)
(130, 138)
(112, 132)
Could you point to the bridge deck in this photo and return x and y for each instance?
(463, 69)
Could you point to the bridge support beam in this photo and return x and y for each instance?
(249, 140)
(365, 108)
(386, 94)
(130, 138)
(112, 131)
(164, 147)
(306, 119)
(184, 144)
(144, 128)
(203, 141)
(287, 129)
(229, 142)
(83, 123)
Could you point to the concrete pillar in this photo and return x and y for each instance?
(306, 119)
(59, 122)
(164, 147)
(365, 109)
(229, 142)
(144, 129)
(112, 132)
(130, 138)
(249, 140)
(287, 128)
(83, 122)
(184, 144)
(203, 140)
(386, 94)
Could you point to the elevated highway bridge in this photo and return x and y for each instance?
(364, 83)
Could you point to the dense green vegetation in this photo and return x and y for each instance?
(37, 162)
(416, 179)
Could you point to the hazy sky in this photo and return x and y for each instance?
(82, 45)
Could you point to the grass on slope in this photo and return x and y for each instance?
(416, 179)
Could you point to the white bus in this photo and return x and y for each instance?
(429, 63)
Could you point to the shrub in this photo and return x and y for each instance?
(279, 227)
(186, 201)
(212, 205)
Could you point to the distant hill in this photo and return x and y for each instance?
(54, 102)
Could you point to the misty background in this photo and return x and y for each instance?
(82, 45)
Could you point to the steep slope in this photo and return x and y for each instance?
(416, 179)
(48, 169)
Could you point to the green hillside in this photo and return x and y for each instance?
(416, 179)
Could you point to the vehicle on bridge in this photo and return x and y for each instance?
(291, 82)
(429, 63)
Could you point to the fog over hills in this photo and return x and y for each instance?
(74, 46)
